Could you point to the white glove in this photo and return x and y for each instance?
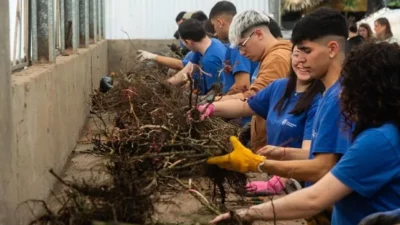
(144, 55)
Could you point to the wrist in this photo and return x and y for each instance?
(154, 57)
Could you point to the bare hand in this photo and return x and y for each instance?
(271, 152)
(241, 214)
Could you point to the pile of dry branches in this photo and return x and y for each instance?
(151, 137)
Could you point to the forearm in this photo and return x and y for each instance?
(301, 170)
(169, 62)
(233, 108)
(238, 96)
(181, 77)
(295, 154)
(297, 205)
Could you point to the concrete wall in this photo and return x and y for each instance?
(122, 53)
(50, 109)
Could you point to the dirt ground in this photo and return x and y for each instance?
(179, 208)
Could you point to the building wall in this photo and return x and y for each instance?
(50, 107)
(155, 19)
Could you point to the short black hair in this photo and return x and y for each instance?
(274, 28)
(180, 16)
(320, 23)
(192, 29)
(200, 16)
(223, 7)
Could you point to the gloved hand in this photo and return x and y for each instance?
(144, 55)
(241, 159)
(273, 185)
(206, 111)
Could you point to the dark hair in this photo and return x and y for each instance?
(369, 96)
(192, 29)
(316, 87)
(274, 28)
(223, 7)
(353, 43)
(209, 28)
(352, 25)
(382, 220)
(320, 23)
(385, 22)
(368, 28)
(199, 15)
(180, 16)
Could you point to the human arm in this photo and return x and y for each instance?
(302, 170)
(227, 109)
(286, 153)
(169, 62)
(242, 83)
(269, 71)
(300, 204)
(182, 76)
(234, 108)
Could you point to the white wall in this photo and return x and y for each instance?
(155, 19)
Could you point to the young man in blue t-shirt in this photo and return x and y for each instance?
(208, 55)
(322, 52)
(366, 180)
(237, 68)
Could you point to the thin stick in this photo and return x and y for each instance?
(211, 208)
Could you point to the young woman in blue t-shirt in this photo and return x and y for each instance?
(288, 105)
(366, 180)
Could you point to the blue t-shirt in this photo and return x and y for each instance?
(371, 168)
(286, 129)
(187, 58)
(211, 63)
(329, 134)
(255, 74)
(236, 63)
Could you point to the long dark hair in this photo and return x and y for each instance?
(388, 31)
(369, 96)
(306, 99)
(369, 30)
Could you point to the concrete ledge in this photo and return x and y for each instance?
(50, 109)
(122, 53)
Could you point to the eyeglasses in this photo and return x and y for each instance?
(242, 45)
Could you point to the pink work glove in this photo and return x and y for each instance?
(206, 110)
(273, 185)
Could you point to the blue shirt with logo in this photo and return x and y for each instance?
(371, 169)
(211, 63)
(329, 133)
(287, 129)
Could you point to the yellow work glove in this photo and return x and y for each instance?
(241, 159)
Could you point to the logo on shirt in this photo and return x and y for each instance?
(287, 123)
(314, 134)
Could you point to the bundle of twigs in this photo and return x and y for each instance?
(150, 136)
(158, 126)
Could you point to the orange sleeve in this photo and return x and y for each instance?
(275, 68)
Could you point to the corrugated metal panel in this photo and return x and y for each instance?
(155, 19)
